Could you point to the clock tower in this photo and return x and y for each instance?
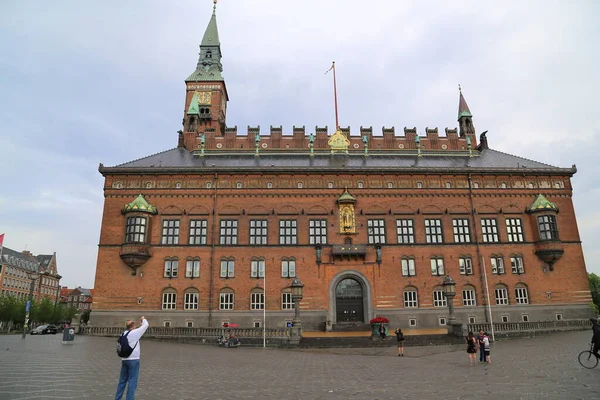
(206, 95)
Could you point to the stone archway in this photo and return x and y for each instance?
(349, 291)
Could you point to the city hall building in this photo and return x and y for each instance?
(216, 229)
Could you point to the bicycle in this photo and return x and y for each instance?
(587, 359)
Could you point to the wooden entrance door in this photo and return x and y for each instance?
(349, 301)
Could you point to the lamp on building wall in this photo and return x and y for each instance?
(297, 289)
(34, 275)
(449, 291)
(319, 251)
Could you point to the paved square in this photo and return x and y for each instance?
(40, 367)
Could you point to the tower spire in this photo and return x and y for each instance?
(209, 65)
(465, 118)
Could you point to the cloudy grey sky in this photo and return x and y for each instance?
(102, 81)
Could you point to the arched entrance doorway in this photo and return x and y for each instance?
(349, 301)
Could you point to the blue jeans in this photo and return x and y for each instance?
(482, 357)
(130, 370)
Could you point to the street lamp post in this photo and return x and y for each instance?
(33, 276)
(297, 288)
(450, 292)
(58, 278)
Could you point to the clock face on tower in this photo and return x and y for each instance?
(204, 98)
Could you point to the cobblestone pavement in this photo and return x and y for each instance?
(40, 367)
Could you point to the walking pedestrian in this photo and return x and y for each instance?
(400, 340)
(471, 348)
(130, 365)
(481, 346)
(486, 348)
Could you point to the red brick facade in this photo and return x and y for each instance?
(212, 187)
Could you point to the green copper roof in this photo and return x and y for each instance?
(209, 65)
(211, 35)
(141, 205)
(346, 198)
(540, 204)
(193, 109)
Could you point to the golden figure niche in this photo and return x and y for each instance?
(347, 218)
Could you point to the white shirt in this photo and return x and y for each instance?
(133, 338)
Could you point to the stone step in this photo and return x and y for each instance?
(368, 341)
(350, 327)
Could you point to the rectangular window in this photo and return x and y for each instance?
(468, 296)
(461, 230)
(525, 318)
(376, 229)
(286, 301)
(226, 301)
(516, 264)
(405, 230)
(489, 230)
(521, 295)
(229, 231)
(192, 269)
(191, 301)
(439, 300)
(288, 232)
(171, 268)
(227, 268)
(433, 231)
(547, 227)
(408, 267)
(136, 230)
(410, 299)
(317, 231)
(504, 318)
(497, 265)
(169, 301)
(514, 229)
(258, 231)
(257, 301)
(170, 231)
(257, 268)
(437, 266)
(198, 231)
(501, 296)
(288, 268)
(466, 265)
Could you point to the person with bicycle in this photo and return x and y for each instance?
(595, 336)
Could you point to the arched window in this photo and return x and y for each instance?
(208, 185)
(521, 295)
(169, 299)
(503, 185)
(468, 296)
(288, 267)
(257, 267)
(408, 266)
(208, 54)
(439, 300)
(257, 299)
(226, 298)
(501, 295)
(361, 185)
(192, 298)
(330, 185)
(410, 297)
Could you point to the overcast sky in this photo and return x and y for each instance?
(84, 82)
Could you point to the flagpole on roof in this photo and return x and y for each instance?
(337, 124)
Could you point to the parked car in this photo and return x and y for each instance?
(44, 329)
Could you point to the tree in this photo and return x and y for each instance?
(44, 310)
(595, 289)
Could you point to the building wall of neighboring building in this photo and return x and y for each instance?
(565, 288)
(74, 298)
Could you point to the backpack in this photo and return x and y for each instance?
(124, 350)
(400, 335)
